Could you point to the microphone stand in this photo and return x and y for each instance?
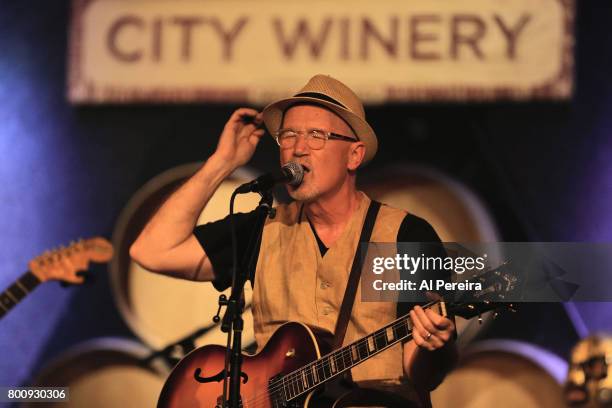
(232, 319)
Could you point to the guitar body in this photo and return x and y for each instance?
(292, 346)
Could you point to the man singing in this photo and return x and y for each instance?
(307, 249)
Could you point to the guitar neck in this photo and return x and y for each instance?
(17, 291)
(335, 363)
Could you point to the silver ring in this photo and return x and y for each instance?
(428, 336)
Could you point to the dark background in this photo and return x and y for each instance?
(543, 169)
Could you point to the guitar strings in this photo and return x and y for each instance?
(346, 351)
(289, 380)
(402, 320)
(326, 362)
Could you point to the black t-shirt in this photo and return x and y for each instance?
(215, 238)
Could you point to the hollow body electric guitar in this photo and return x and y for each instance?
(62, 264)
(291, 368)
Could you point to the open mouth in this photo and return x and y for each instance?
(306, 168)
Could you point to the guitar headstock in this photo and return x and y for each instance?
(469, 310)
(63, 263)
(496, 286)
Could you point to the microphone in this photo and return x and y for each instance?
(291, 173)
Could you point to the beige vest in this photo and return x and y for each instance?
(294, 283)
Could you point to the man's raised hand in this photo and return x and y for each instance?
(240, 136)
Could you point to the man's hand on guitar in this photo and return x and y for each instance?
(431, 331)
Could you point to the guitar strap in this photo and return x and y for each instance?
(353, 280)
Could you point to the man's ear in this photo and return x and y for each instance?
(356, 154)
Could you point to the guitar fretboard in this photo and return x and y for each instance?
(329, 366)
(17, 291)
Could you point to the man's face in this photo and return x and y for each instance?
(326, 169)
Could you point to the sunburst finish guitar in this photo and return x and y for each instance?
(291, 367)
(62, 264)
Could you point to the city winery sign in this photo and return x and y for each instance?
(255, 51)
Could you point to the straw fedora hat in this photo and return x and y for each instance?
(328, 92)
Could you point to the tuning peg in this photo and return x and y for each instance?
(479, 318)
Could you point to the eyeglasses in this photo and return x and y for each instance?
(315, 138)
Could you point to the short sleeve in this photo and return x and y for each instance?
(215, 237)
(416, 229)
